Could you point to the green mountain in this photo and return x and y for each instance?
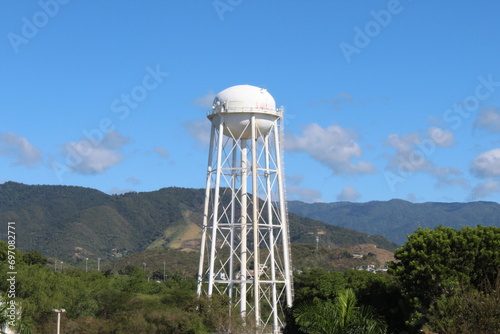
(395, 219)
(74, 222)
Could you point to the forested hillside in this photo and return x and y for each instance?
(451, 287)
(74, 222)
(396, 219)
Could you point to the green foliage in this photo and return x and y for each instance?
(176, 262)
(374, 291)
(4, 253)
(468, 311)
(72, 223)
(136, 282)
(340, 316)
(91, 220)
(383, 292)
(34, 258)
(437, 267)
(98, 303)
(317, 283)
(214, 312)
(442, 277)
(4, 319)
(439, 261)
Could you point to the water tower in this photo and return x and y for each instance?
(245, 248)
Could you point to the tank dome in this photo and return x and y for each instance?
(236, 105)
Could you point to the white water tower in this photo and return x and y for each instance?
(245, 247)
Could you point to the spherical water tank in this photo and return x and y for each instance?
(236, 105)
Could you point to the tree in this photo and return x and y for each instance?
(468, 312)
(382, 292)
(4, 319)
(4, 252)
(343, 316)
(34, 258)
(24, 325)
(444, 262)
(317, 283)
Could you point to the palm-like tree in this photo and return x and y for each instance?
(3, 317)
(23, 325)
(343, 316)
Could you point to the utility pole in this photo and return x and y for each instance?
(58, 311)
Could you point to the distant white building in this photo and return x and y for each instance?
(371, 268)
(368, 267)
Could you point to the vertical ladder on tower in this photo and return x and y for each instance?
(282, 157)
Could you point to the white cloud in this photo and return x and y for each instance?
(443, 138)
(161, 151)
(333, 146)
(404, 143)
(486, 164)
(113, 140)
(349, 193)
(297, 193)
(413, 151)
(445, 179)
(200, 130)
(489, 119)
(307, 195)
(413, 154)
(206, 100)
(14, 146)
(485, 189)
(294, 179)
(134, 180)
(86, 157)
(410, 153)
(412, 197)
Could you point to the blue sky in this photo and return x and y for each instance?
(383, 99)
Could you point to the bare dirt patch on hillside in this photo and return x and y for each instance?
(382, 255)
